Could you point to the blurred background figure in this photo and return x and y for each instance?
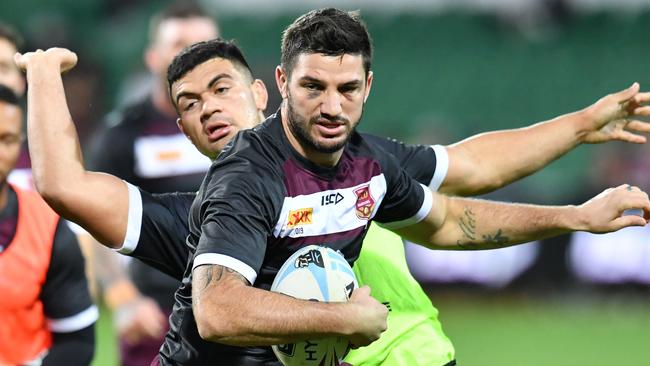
(142, 144)
(592, 258)
(11, 77)
(47, 315)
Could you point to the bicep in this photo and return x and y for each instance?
(460, 172)
(207, 276)
(214, 285)
(100, 204)
(432, 228)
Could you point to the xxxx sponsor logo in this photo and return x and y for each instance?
(303, 216)
(365, 203)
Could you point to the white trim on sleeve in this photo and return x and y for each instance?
(442, 166)
(134, 220)
(227, 261)
(427, 203)
(76, 322)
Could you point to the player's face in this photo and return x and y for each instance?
(325, 97)
(215, 101)
(10, 75)
(173, 35)
(11, 138)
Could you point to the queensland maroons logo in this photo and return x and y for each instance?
(365, 203)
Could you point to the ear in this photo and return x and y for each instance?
(151, 59)
(368, 85)
(260, 94)
(179, 123)
(282, 81)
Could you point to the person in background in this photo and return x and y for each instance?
(140, 143)
(11, 77)
(47, 313)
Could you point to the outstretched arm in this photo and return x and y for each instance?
(461, 223)
(488, 161)
(97, 202)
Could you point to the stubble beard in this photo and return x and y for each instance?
(299, 127)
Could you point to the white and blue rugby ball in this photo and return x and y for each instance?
(315, 273)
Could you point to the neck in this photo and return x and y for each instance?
(4, 193)
(319, 158)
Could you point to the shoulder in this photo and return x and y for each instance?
(256, 151)
(366, 146)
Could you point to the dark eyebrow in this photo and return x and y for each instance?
(214, 80)
(218, 78)
(184, 94)
(353, 84)
(310, 79)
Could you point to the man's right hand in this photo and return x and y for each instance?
(368, 317)
(61, 57)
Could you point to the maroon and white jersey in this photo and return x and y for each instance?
(261, 201)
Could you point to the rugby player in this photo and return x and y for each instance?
(193, 130)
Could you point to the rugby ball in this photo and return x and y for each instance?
(315, 273)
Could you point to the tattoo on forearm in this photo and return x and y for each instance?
(467, 225)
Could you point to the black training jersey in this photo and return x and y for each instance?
(158, 222)
(158, 228)
(261, 201)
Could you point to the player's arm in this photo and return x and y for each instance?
(67, 303)
(97, 202)
(488, 161)
(241, 201)
(228, 310)
(461, 223)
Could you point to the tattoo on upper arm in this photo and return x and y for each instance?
(206, 275)
(467, 225)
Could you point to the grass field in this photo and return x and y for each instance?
(514, 329)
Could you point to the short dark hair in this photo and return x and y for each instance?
(200, 52)
(180, 9)
(329, 31)
(9, 33)
(8, 96)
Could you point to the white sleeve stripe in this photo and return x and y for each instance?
(223, 260)
(76, 322)
(442, 166)
(427, 203)
(134, 220)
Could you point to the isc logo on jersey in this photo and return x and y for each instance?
(319, 274)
